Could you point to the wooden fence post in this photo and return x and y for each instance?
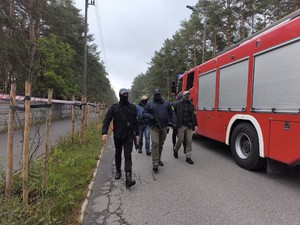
(26, 137)
(10, 140)
(48, 123)
(99, 115)
(73, 121)
(82, 118)
(87, 111)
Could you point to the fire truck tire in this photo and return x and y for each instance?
(245, 147)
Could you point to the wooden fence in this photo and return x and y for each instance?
(22, 111)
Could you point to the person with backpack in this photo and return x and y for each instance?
(125, 130)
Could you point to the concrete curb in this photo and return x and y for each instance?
(90, 187)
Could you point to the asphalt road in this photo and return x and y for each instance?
(213, 191)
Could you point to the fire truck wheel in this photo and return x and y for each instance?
(245, 147)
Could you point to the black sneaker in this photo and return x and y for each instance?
(140, 151)
(148, 153)
(155, 168)
(160, 163)
(175, 153)
(118, 176)
(189, 160)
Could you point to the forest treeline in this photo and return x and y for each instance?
(43, 41)
(223, 22)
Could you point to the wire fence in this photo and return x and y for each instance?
(38, 115)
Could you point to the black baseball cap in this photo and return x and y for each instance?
(123, 91)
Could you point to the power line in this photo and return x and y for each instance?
(102, 46)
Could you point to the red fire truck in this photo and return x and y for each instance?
(249, 96)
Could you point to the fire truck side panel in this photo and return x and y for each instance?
(284, 141)
(211, 125)
(256, 83)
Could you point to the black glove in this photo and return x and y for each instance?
(149, 116)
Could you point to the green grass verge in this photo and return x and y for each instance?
(71, 168)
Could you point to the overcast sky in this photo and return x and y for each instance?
(128, 32)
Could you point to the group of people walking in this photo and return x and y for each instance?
(149, 118)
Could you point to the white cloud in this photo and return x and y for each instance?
(132, 31)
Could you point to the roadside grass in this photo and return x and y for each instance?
(71, 168)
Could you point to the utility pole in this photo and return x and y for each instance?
(85, 46)
(84, 97)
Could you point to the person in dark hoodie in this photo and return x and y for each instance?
(125, 129)
(144, 129)
(186, 124)
(160, 112)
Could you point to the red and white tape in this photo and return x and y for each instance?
(34, 99)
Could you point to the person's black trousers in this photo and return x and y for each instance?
(127, 144)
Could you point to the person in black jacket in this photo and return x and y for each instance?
(186, 123)
(125, 129)
(175, 129)
(160, 112)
